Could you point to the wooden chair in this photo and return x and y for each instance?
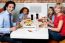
(63, 41)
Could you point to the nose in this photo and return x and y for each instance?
(11, 8)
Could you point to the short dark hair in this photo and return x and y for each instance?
(7, 3)
(21, 11)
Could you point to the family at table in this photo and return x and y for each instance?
(55, 21)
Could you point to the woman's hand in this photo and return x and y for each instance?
(50, 23)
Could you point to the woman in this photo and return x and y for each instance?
(58, 31)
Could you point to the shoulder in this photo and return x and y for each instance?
(53, 16)
(1, 16)
(21, 14)
(59, 15)
(2, 13)
(62, 17)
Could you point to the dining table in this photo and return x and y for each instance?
(31, 32)
(27, 33)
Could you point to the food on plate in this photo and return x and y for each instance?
(42, 22)
(28, 22)
(19, 25)
(41, 25)
(30, 30)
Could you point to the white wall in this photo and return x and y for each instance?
(40, 8)
(1, 5)
(53, 4)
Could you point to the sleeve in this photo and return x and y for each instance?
(2, 29)
(1, 21)
(20, 17)
(53, 18)
(61, 17)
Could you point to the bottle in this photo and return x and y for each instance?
(31, 16)
(37, 16)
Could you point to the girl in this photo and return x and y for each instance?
(51, 15)
(23, 14)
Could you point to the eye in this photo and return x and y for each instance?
(12, 7)
(9, 6)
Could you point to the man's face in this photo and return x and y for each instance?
(10, 8)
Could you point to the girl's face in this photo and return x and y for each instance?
(50, 11)
(57, 9)
(25, 11)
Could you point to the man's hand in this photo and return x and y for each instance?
(13, 28)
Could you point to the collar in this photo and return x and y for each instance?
(6, 12)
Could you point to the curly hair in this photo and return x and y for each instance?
(21, 11)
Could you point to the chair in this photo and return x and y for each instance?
(1, 9)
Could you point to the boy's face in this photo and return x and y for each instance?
(10, 8)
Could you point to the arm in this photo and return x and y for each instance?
(2, 29)
(20, 17)
(50, 22)
(59, 26)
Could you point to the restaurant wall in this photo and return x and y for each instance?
(40, 8)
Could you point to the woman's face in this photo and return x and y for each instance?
(50, 11)
(25, 11)
(57, 9)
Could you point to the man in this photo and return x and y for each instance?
(6, 21)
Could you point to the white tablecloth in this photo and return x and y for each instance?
(35, 34)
